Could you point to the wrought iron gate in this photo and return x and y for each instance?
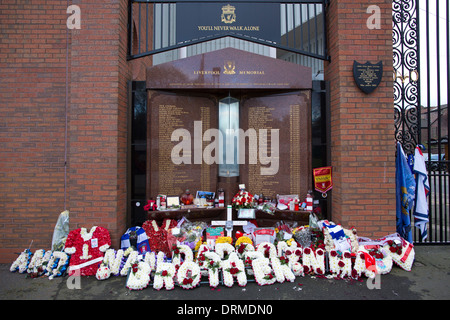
(421, 96)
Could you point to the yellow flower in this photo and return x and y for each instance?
(224, 240)
(197, 245)
(243, 239)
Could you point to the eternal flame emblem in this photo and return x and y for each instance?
(229, 67)
(228, 14)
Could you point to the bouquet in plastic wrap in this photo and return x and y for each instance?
(190, 232)
(284, 230)
(61, 231)
(303, 236)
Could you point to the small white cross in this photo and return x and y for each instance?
(229, 223)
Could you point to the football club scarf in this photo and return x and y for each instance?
(338, 236)
(405, 194)
(138, 234)
(422, 190)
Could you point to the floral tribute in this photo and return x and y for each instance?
(22, 261)
(87, 249)
(157, 235)
(243, 200)
(331, 251)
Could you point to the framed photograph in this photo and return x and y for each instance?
(205, 194)
(173, 202)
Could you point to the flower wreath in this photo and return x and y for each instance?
(132, 259)
(383, 261)
(112, 260)
(165, 272)
(350, 237)
(222, 248)
(234, 267)
(139, 276)
(243, 239)
(263, 272)
(103, 272)
(402, 253)
(249, 256)
(181, 249)
(36, 261)
(212, 262)
(284, 246)
(267, 249)
(294, 258)
(86, 249)
(282, 270)
(224, 239)
(188, 276)
(22, 261)
(243, 248)
(200, 254)
(314, 261)
(157, 236)
(400, 250)
(340, 263)
(57, 264)
(359, 266)
(150, 259)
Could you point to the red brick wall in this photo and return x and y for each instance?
(32, 125)
(32, 122)
(362, 126)
(98, 118)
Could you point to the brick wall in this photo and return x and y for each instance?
(32, 122)
(362, 126)
(98, 118)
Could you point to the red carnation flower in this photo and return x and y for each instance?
(341, 264)
(234, 270)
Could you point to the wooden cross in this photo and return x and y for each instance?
(229, 223)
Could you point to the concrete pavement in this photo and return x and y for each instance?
(429, 279)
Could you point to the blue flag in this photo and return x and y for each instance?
(405, 192)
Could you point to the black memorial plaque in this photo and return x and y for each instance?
(367, 76)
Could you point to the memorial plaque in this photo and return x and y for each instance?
(274, 110)
(367, 76)
(229, 69)
(206, 19)
(177, 127)
(289, 114)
